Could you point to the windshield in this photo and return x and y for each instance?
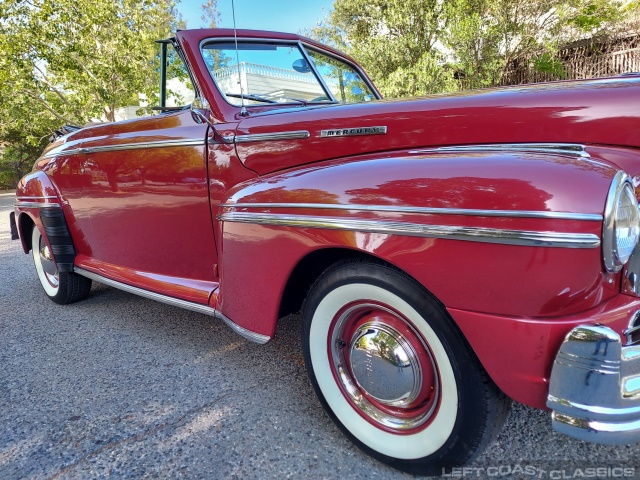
(264, 73)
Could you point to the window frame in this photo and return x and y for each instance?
(302, 47)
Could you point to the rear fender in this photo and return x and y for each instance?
(39, 205)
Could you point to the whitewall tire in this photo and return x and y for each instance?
(394, 373)
(61, 287)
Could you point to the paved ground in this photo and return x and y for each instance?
(121, 386)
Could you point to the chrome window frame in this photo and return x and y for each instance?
(358, 70)
(207, 41)
(303, 47)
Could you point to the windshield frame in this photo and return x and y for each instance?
(302, 47)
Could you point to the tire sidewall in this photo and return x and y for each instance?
(452, 355)
(50, 290)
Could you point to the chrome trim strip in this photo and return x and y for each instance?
(44, 197)
(130, 146)
(37, 204)
(263, 137)
(473, 234)
(559, 148)
(320, 78)
(595, 408)
(592, 217)
(353, 132)
(632, 328)
(195, 307)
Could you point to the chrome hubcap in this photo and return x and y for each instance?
(48, 265)
(384, 368)
(379, 351)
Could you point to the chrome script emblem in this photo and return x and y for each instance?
(352, 132)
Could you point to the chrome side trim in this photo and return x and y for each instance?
(37, 204)
(591, 217)
(353, 132)
(263, 137)
(195, 307)
(473, 234)
(632, 332)
(44, 197)
(558, 148)
(190, 142)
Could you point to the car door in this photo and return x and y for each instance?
(150, 218)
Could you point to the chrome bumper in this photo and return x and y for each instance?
(594, 390)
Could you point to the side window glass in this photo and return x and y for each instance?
(262, 73)
(345, 83)
(180, 91)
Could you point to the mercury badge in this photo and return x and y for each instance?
(352, 132)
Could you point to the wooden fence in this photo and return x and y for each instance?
(585, 59)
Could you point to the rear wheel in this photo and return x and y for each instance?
(394, 373)
(61, 287)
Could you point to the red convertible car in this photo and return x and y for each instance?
(449, 254)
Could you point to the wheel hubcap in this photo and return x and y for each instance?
(384, 367)
(48, 265)
(380, 351)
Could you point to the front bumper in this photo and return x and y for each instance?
(594, 390)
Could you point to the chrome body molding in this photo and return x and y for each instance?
(44, 197)
(594, 389)
(189, 142)
(473, 234)
(353, 132)
(592, 217)
(557, 148)
(196, 307)
(632, 332)
(263, 137)
(21, 204)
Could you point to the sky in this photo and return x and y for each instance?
(290, 16)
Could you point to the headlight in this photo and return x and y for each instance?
(621, 223)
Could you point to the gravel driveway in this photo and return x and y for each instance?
(121, 386)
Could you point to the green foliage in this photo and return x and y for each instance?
(415, 47)
(395, 40)
(592, 15)
(210, 13)
(71, 61)
(547, 63)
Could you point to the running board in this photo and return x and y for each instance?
(176, 302)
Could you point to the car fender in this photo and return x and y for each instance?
(271, 224)
(488, 194)
(40, 205)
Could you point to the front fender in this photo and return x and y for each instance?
(514, 233)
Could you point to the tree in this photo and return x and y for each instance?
(70, 61)
(210, 14)
(416, 47)
(396, 41)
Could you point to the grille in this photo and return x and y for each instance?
(632, 334)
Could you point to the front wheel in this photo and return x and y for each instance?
(61, 287)
(394, 373)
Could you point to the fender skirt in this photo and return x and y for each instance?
(55, 228)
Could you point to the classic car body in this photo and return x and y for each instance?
(488, 237)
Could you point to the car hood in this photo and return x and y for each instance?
(594, 112)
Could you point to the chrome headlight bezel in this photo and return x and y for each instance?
(620, 188)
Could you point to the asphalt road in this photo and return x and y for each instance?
(121, 386)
